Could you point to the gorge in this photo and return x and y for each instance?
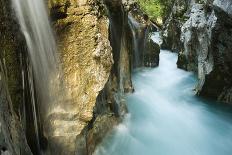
(83, 77)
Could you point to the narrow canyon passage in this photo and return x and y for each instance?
(166, 118)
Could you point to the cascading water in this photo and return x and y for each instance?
(35, 26)
(135, 26)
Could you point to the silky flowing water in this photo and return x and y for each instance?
(44, 71)
(166, 118)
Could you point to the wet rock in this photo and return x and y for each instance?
(151, 55)
(97, 66)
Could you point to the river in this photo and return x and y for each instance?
(166, 118)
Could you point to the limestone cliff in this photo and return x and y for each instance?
(205, 46)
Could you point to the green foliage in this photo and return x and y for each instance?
(151, 7)
(156, 8)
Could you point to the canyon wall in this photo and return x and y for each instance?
(203, 41)
(96, 45)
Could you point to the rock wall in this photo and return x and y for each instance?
(86, 57)
(110, 106)
(205, 46)
(218, 82)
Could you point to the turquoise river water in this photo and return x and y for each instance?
(166, 118)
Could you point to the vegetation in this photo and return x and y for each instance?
(156, 9)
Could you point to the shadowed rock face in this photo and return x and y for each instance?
(206, 47)
(12, 136)
(110, 106)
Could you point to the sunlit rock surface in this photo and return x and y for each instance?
(86, 58)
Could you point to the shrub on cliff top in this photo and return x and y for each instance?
(157, 10)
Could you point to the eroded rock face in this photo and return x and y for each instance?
(206, 36)
(206, 47)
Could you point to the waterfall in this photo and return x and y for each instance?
(33, 19)
(35, 26)
(135, 26)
